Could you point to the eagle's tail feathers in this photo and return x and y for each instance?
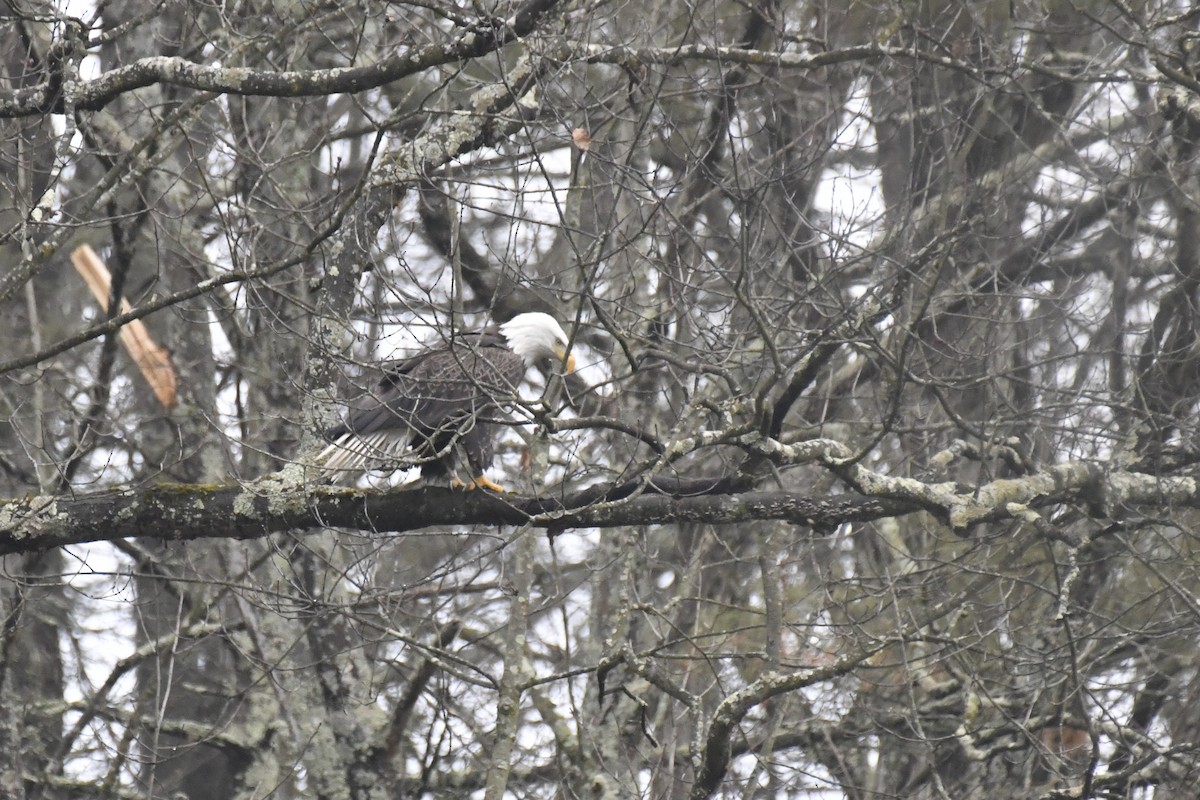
(352, 454)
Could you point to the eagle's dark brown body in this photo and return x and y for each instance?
(441, 406)
(430, 410)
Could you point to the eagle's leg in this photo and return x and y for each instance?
(480, 482)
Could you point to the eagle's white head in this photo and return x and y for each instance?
(535, 336)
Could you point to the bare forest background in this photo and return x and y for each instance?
(878, 477)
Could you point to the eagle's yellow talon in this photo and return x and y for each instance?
(477, 483)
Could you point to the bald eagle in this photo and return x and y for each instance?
(433, 408)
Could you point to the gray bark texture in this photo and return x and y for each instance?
(879, 475)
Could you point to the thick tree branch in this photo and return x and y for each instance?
(472, 42)
(634, 57)
(90, 95)
(179, 512)
(182, 512)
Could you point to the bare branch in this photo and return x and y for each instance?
(93, 94)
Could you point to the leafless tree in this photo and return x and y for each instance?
(879, 476)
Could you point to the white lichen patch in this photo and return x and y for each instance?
(27, 518)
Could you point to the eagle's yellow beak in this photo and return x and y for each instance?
(569, 360)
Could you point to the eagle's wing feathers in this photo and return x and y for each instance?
(424, 405)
